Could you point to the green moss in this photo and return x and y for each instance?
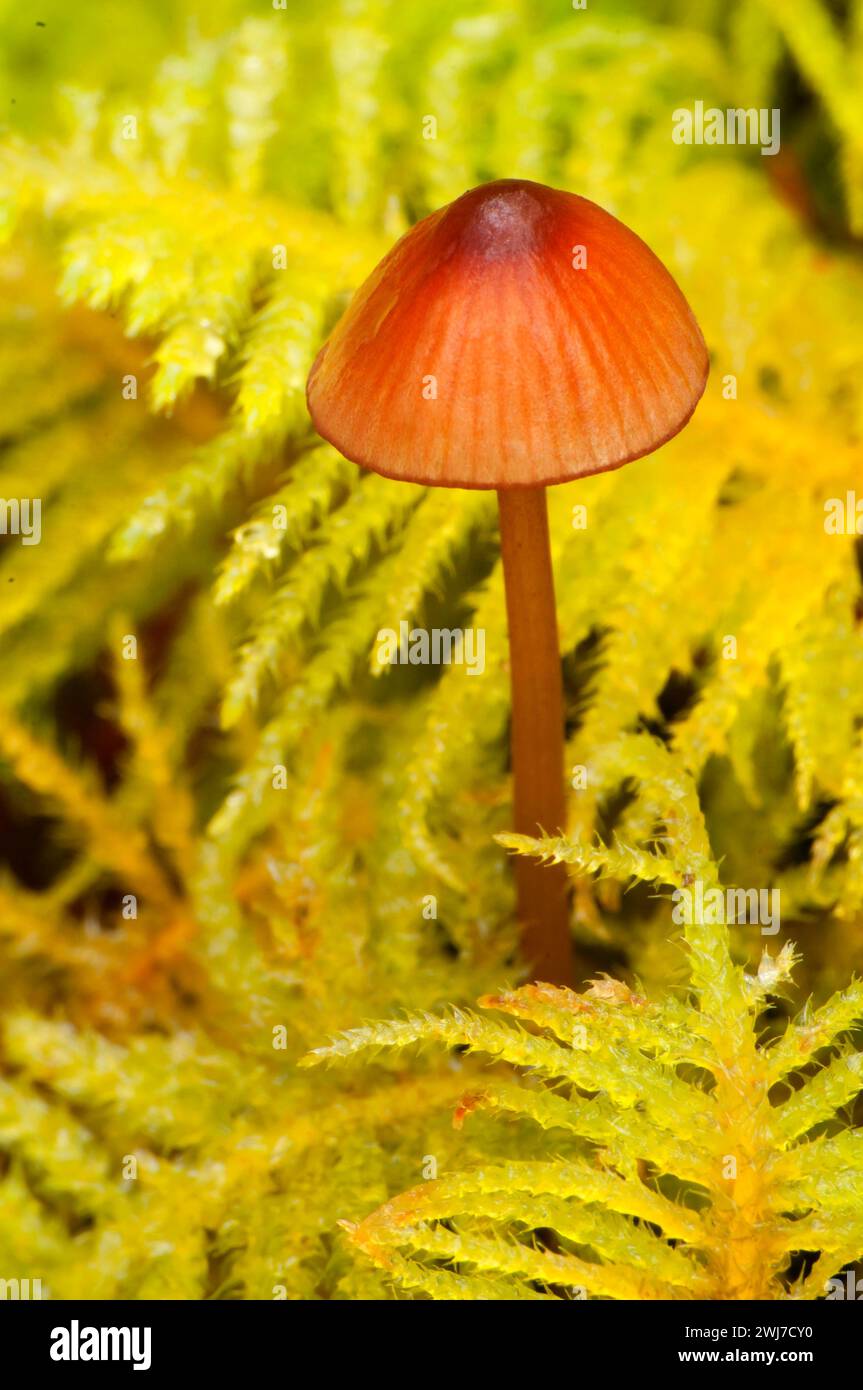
(250, 837)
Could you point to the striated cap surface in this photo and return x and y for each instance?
(517, 337)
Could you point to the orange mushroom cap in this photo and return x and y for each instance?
(477, 355)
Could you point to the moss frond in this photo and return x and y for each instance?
(717, 1170)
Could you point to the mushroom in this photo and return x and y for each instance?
(519, 337)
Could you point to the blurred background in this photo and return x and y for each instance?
(218, 818)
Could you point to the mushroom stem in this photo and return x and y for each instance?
(537, 727)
